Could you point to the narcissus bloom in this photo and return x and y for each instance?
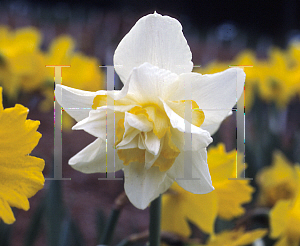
(154, 62)
(21, 174)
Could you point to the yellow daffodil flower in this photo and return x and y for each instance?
(285, 219)
(22, 62)
(226, 200)
(276, 182)
(238, 237)
(154, 62)
(21, 174)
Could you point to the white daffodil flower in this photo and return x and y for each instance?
(154, 62)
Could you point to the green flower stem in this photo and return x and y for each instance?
(109, 229)
(154, 227)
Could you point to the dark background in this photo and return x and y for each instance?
(213, 29)
(275, 19)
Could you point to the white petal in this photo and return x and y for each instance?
(200, 137)
(125, 144)
(139, 122)
(142, 185)
(155, 39)
(202, 183)
(148, 82)
(152, 143)
(92, 159)
(215, 94)
(77, 103)
(141, 143)
(95, 123)
(212, 128)
(129, 134)
(150, 158)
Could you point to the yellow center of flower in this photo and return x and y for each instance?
(161, 128)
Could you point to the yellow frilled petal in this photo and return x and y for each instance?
(179, 205)
(156, 115)
(161, 128)
(237, 237)
(168, 153)
(21, 174)
(159, 119)
(120, 129)
(99, 101)
(276, 182)
(131, 155)
(232, 194)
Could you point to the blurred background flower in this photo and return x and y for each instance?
(285, 218)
